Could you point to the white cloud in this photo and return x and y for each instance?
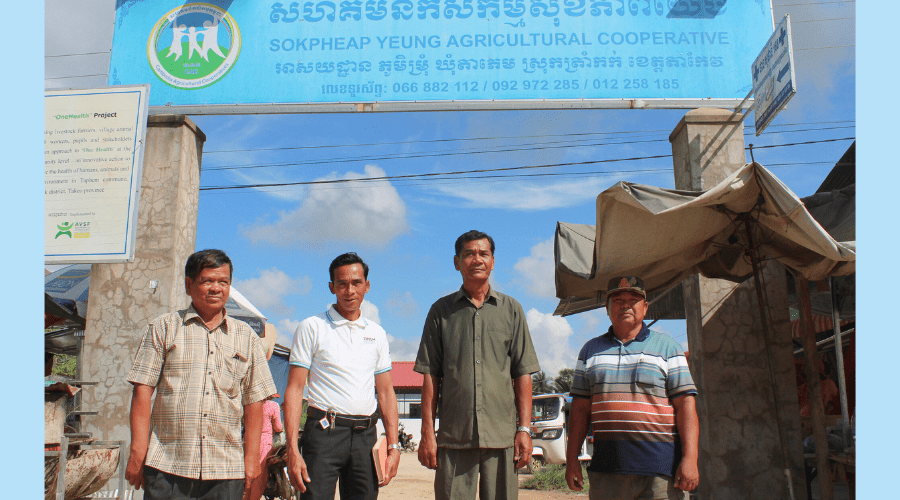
(286, 329)
(550, 336)
(537, 270)
(403, 350)
(526, 196)
(268, 290)
(403, 305)
(370, 311)
(366, 213)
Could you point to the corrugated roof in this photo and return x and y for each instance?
(402, 375)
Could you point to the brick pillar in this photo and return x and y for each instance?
(741, 455)
(121, 301)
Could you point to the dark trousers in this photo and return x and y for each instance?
(342, 455)
(159, 485)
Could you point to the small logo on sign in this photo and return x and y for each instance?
(65, 229)
(194, 46)
(74, 230)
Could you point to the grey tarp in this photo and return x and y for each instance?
(71, 284)
(665, 235)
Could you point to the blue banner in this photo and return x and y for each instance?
(358, 51)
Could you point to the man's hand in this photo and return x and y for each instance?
(523, 449)
(134, 472)
(297, 470)
(139, 419)
(574, 477)
(393, 462)
(428, 451)
(687, 476)
(251, 470)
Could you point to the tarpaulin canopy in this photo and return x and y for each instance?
(68, 288)
(665, 235)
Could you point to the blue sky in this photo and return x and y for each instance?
(827, 93)
(282, 239)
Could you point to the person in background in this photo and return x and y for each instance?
(632, 387)
(207, 370)
(271, 424)
(477, 359)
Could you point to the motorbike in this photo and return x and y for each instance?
(278, 485)
(405, 440)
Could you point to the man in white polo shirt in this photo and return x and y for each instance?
(346, 358)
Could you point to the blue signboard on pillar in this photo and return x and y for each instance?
(219, 56)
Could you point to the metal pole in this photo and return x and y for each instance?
(817, 408)
(839, 357)
(763, 318)
(61, 465)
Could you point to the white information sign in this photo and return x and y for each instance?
(773, 75)
(93, 155)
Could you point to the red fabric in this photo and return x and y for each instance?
(820, 324)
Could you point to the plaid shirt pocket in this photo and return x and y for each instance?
(234, 369)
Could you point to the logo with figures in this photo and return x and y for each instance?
(194, 46)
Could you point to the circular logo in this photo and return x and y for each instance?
(194, 46)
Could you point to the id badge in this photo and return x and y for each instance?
(324, 423)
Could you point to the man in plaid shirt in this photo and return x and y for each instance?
(208, 371)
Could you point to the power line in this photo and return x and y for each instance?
(431, 154)
(829, 47)
(465, 172)
(411, 176)
(78, 76)
(430, 141)
(405, 156)
(820, 20)
(73, 55)
(507, 177)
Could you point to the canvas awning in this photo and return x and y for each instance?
(66, 303)
(666, 235)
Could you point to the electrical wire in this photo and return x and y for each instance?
(73, 55)
(465, 172)
(79, 76)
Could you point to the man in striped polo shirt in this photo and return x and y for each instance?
(633, 388)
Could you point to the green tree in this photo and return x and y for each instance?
(64, 364)
(541, 383)
(563, 381)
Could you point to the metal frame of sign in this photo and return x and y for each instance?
(771, 93)
(94, 156)
(475, 105)
(346, 56)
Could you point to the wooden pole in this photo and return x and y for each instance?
(817, 413)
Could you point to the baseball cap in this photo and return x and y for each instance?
(626, 284)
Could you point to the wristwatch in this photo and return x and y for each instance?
(522, 428)
(394, 447)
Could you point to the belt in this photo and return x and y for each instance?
(355, 422)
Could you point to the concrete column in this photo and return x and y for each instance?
(121, 302)
(741, 454)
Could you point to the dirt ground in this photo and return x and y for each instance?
(413, 482)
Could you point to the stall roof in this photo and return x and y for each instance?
(665, 235)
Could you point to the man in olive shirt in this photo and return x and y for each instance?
(477, 359)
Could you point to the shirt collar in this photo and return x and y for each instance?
(191, 314)
(338, 320)
(461, 294)
(641, 336)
